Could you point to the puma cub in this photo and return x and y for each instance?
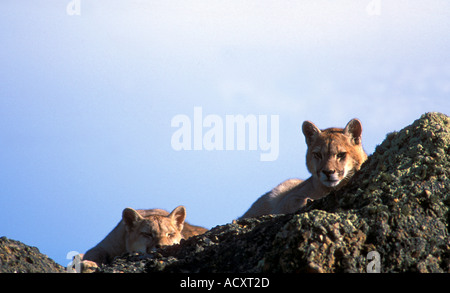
(143, 231)
(333, 156)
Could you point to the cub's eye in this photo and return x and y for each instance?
(170, 235)
(317, 155)
(342, 155)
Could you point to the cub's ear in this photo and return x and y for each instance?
(309, 130)
(130, 217)
(354, 129)
(178, 215)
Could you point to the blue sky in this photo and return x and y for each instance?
(87, 100)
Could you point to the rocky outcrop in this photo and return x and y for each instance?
(392, 217)
(16, 257)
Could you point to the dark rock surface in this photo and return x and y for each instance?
(397, 205)
(16, 257)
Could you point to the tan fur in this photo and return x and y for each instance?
(143, 231)
(333, 156)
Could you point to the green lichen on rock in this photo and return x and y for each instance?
(318, 241)
(397, 204)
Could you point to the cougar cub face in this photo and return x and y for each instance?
(334, 154)
(145, 234)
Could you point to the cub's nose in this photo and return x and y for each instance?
(328, 173)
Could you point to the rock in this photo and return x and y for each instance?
(16, 257)
(397, 205)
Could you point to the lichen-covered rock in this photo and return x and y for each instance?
(16, 257)
(318, 241)
(397, 205)
(403, 195)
